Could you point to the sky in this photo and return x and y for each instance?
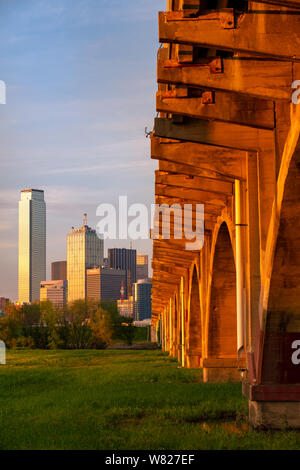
(80, 77)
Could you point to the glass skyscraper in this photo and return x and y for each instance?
(123, 258)
(84, 250)
(142, 299)
(32, 244)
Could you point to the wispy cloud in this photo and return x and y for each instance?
(104, 167)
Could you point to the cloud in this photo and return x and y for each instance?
(108, 166)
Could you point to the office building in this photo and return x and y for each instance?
(104, 284)
(142, 269)
(59, 271)
(84, 250)
(55, 292)
(122, 258)
(142, 299)
(32, 244)
(125, 307)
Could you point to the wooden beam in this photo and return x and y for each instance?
(163, 248)
(208, 160)
(268, 79)
(212, 210)
(194, 182)
(191, 171)
(215, 133)
(194, 195)
(284, 3)
(167, 267)
(226, 106)
(277, 35)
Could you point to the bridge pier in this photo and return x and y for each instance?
(222, 370)
(274, 414)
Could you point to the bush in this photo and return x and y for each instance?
(80, 325)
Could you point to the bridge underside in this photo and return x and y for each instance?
(227, 137)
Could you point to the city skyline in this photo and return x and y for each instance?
(85, 251)
(72, 151)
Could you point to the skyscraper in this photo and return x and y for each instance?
(142, 267)
(84, 250)
(142, 299)
(104, 284)
(55, 292)
(122, 258)
(32, 244)
(59, 271)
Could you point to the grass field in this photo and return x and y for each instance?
(115, 400)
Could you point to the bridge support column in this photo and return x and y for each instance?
(222, 370)
(193, 358)
(276, 415)
(273, 406)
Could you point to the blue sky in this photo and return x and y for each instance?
(80, 78)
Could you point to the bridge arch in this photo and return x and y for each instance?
(283, 307)
(220, 362)
(194, 326)
(177, 335)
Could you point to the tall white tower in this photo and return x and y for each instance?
(32, 244)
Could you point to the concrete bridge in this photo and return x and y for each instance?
(227, 136)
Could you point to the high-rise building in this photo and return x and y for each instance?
(32, 244)
(122, 258)
(59, 271)
(84, 250)
(125, 307)
(104, 284)
(54, 291)
(142, 271)
(142, 299)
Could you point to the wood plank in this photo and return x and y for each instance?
(268, 79)
(194, 195)
(174, 202)
(194, 182)
(224, 362)
(284, 3)
(189, 170)
(163, 249)
(256, 32)
(209, 210)
(169, 267)
(230, 107)
(215, 133)
(210, 161)
(189, 7)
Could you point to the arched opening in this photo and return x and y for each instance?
(175, 328)
(194, 352)
(222, 337)
(283, 317)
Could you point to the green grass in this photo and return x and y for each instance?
(117, 400)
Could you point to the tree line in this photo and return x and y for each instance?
(81, 324)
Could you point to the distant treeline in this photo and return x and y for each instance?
(79, 325)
